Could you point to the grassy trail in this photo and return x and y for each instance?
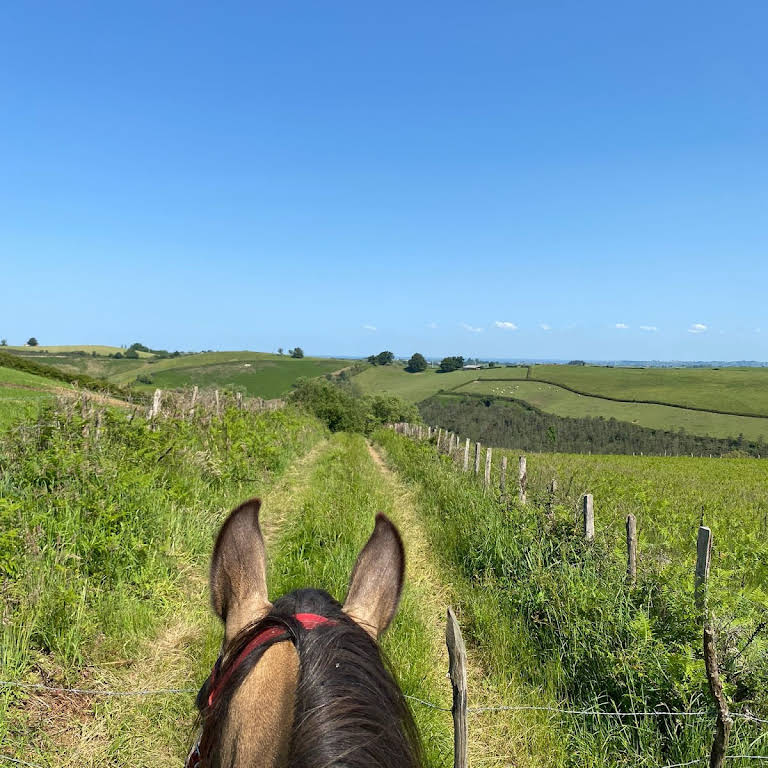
(151, 731)
(495, 738)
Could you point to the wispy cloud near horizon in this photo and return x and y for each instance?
(622, 326)
(651, 328)
(370, 328)
(471, 328)
(697, 328)
(506, 325)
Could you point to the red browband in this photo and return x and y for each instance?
(307, 620)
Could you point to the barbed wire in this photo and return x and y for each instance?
(424, 702)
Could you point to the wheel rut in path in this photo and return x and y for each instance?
(495, 738)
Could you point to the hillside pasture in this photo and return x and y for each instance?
(553, 399)
(263, 376)
(735, 390)
(88, 349)
(415, 387)
(20, 392)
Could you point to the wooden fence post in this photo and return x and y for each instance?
(589, 517)
(703, 554)
(457, 660)
(218, 404)
(487, 478)
(466, 455)
(192, 404)
(724, 720)
(503, 476)
(551, 498)
(523, 479)
(477, 459)
(157, 402)
(631, 550)
(439, 438)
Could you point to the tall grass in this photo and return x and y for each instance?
(552, 610)
(100, 539)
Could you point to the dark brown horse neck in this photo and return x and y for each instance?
(347, 709)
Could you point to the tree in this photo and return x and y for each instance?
(131, 354)
(297, 352)
(279, 350)
(417, 363)
(3, 342)
(32, 342)
(448, 364)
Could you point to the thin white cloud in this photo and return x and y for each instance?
(697, 328)
(432, 325)
(471, 328)
(622, 326)
(545, 327)
(506, 325)
(651, 328)
(370, 328)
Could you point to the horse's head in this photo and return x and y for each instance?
(301, 682)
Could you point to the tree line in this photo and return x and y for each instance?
(519, 425)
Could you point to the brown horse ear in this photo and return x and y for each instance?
(377, 579)
(239, 570)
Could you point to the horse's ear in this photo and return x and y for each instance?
(377, 579)
(239, 570)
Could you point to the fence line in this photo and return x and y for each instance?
(724, 718)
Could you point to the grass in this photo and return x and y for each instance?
(414, 387)
(103, 549)
(554, 399)
(318, 547)
(99, 349)
(554, 613)
(254, 373)
(20, 393)
(262, 377)
(737, 390)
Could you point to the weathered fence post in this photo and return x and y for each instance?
(457, 669)
(523, 479)
(724, 720)
(589, 517)
(157, 402)
(192, 404)
(703, 554)
(551, 498)
(631, 550)
(218, 404)
(439, 438)
(466, 455)
(477, 459)
(503, 476)
(487, 477)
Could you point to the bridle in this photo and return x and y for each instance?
(217, 682)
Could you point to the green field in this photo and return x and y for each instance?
(554, 399)
(414, 387)
(254, 373)
(737, 390)
(20, 393)
(99, 349)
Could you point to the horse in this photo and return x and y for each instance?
(301, 682)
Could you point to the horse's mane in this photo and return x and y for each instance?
(349, 709)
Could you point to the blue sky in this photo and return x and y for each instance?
(351, 177)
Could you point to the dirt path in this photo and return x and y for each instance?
(152, 731)
(495, 738)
